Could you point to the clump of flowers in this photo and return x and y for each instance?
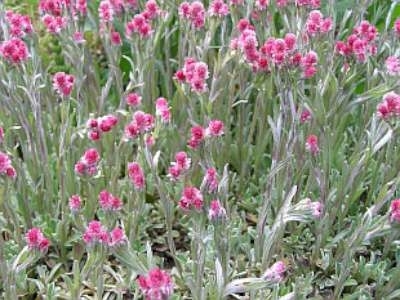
(191, 199)
(310, 3)
(218, 8)
(181, 164)
(157, 285)
(309, 64)
(194, 12)
(361, 43)
(136, 175)
(87, 165)
(117, 237)
(63, 83)
(95, 233)
(312, 144)
(305, 116)
(275, 273)
(194, 73)
(393, 65)
(19, 25)
(36, 240)
(14, 50)
(390, 106)
(198, 135)
(317, 24)
(5, 166)
(101, 125)
(215, 128)
(109, 202)
(140, 124)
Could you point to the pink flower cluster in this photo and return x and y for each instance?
(198, 134)
(96, 233)
(216, 211)
(133, 99)
(308, 64)
(191, 198)
(54, 24)
(316, 23)
(52, 14)
(312, 144)
(157, 285)
(63, 83)
(311, 3)
(14, 50)
(275, 273)
(390, 106)
(140, 124)
(75, 203)
(36, 240)
(109, 202)
(106, 12)
(181, 164)
(162, 110)
(136, 175)
(194, 12)
(393, 65)
(395, 211)
(218, 8)
(305, 116)
(19, 25)
(101, 125)
(140, 23)
(87, 165)
(194, 73)
(53, 7)
(361, 43)
(210, 180)
(262, 4)
(5, 166)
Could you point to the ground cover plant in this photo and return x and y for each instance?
(223, 149)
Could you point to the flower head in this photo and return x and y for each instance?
(36, 240)
(156, 285)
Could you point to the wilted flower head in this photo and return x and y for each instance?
(275, 273)
(36, 240)
(157, 285)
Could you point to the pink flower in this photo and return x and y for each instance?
(133, 99)
(75, 203)
(308, 64)
(395, 211)
(87, 165)
(305, 116)
(162, 110)
(151, 9)
(136, 175)
(193, 12)
(396, 27)
(78, 37)
(216, 210)
(276, 273)
(218, 8)
(106, 12)
(36, 240)
(312, 144)
(54, 24)
(19, 25)
(115, 38)
(1, 134)
(215, 128)
(140, 124)
(14, 50)
(191, 198)
(195, 74)
(157, 285)
(198, 134)
(393, 65)
(140, 25)
(5, 166)
(96, 233)
(181, 164)
(63, 83)
(109, 202)
(316, 23)
(107, 123)
(117, 237)
(262, 4)
(390, 106)
(211, 180)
